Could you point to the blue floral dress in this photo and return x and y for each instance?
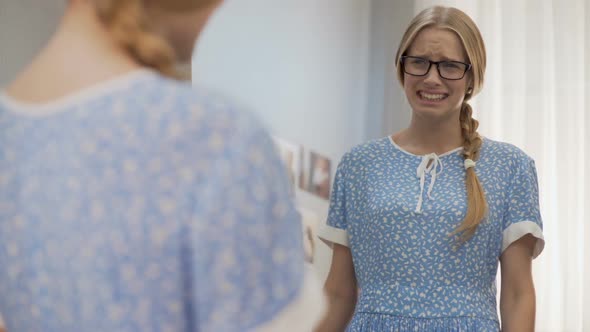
(141, 204)
(395, 211)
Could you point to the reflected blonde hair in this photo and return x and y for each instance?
(463, 26)
(129, 24)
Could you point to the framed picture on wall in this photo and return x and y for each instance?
(316, 174)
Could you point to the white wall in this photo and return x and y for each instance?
(25, 27)
(389, 110)
(302, 65)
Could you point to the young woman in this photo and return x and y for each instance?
(130, 201)
(420, 220)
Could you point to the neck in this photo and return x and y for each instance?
(81, 44)
(425, 136)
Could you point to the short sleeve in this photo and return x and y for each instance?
(523, 214)
(335, 229)
(244, 245)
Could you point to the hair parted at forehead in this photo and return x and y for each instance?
(458, 22)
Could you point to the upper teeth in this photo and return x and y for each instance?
(432, 96)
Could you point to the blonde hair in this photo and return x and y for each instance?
(128, 23)
(461, 24)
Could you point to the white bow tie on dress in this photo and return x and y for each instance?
(433, 165)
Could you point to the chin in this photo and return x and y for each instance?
(433, 112)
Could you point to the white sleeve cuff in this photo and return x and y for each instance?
(520, 229)
(304, 312)
(331, 235)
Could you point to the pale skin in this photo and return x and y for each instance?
(517, 295)
(435, 127)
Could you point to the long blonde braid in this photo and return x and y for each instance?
(476, 202)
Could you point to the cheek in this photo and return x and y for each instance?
(409, 84)
(459, 90)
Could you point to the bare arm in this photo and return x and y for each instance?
(517, 296)
(341, 290)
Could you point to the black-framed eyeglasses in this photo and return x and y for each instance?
(450, 70)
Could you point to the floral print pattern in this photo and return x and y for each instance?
(142, 205)
(412, 275)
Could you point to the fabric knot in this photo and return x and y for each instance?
(430, 164)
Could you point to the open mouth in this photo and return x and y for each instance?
(432, 97)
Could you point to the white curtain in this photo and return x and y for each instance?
(537, 97)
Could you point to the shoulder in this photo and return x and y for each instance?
(367, 152)
(214, 108)
(506, 159)
(506, 152)
(362, 158)
(194, 133)
(200, 114)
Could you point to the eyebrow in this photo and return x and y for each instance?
(442, 58)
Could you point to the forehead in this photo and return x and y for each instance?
(437, 44)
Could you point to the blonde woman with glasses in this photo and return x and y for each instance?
(419, 221)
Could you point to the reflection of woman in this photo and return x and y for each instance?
(420, 220)
(130, 201)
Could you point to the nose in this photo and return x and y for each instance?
(432, 76)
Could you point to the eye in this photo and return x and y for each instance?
(452, 65)
(418, 61)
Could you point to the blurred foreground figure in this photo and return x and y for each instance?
(130, 201)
